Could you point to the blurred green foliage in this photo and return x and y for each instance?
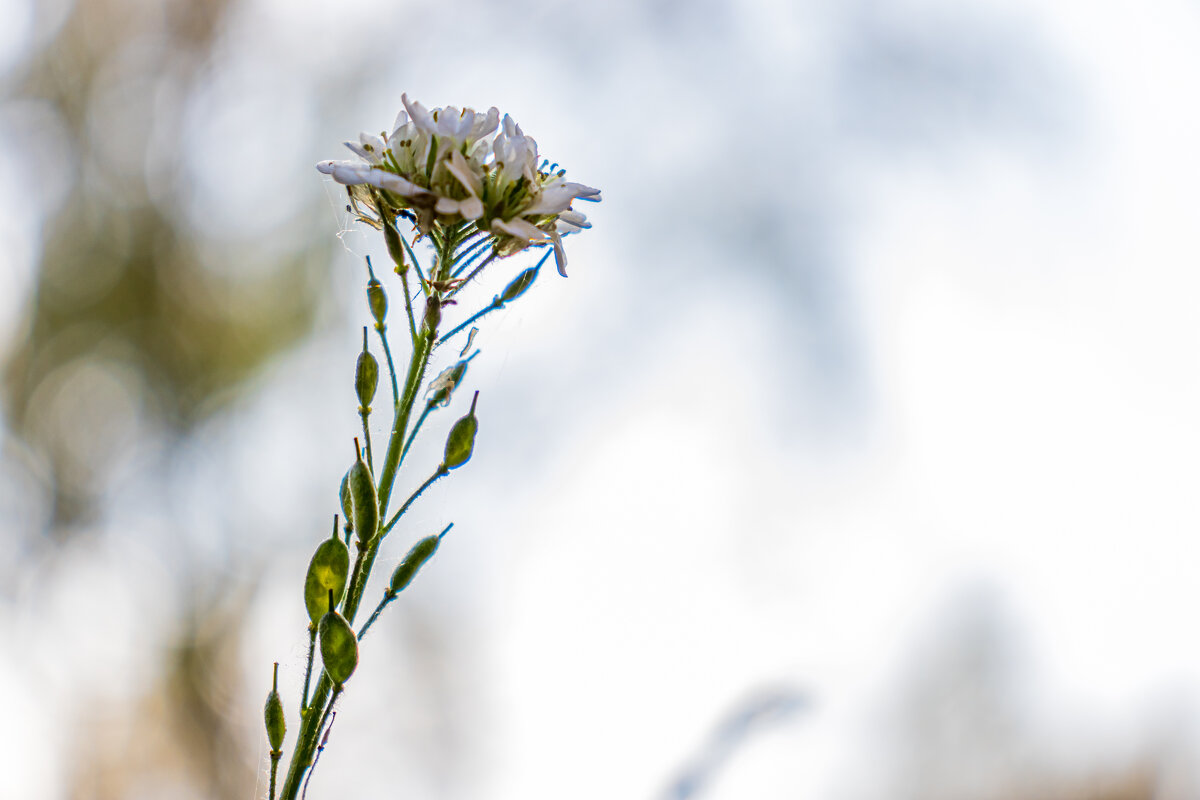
(124, 282)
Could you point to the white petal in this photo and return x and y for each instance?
(358, 150)
(465, 123)
(584, 192)
(520, 229)
(447, 120)
(560, 255)
(552, 200)
(394, 183)
(573, 221)
(349, 173)
(401, 121)
(458, 167)
(373, 146)
(471, 208)
(446, 206)
(420, 117)
(484, 125)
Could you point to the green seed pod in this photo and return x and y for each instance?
(273, 713)
(377, 300)
(518, 285)
(326, 574)
(461, 441)
(364, 499)
(421, 552)
(339, 647)
(366, 375)
(395, 250)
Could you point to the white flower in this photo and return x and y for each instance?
(348, 173)
(370, 148)
(572, 222)
(519, 229)
(459, 126)
(557, 196)
(454, 166)
(516, 153)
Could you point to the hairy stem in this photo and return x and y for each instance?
(387, 598)
(306, 739)
(312, 646)
(314, 715)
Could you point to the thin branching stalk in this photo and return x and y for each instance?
(312, 647)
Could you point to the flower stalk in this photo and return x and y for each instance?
(473, 188)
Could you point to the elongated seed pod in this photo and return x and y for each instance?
(327, 573)
(518, 285)
(461, 441)
(394, 246)
(339, 647)
(364, 499)
(273, 714)
(407, 569)
(366, 376)
(377, 300)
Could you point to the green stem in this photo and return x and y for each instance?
(474, 272)
(416, 428)
(441, 473)
(388, 597)
(337, 690)
(312, 647)
(364, 412)
(468, 254)
(275, 755)
(490, 307)
(412, 383)
(306, 739)
(356, 577)
(412, 322)
(416, 264)
(387, 353)
(366, 556)
(312, 718)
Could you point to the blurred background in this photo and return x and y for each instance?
(856, 458)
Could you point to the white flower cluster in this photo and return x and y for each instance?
(450, 166)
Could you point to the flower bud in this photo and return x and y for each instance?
(421, 552)
(326, 576)
(377, 300)
(273, 713)
(461, 441)
(364, 499)
(433, 314)
(366, 376)
(339, 647)
(518, 285)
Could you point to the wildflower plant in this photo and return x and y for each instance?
(471, 188)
